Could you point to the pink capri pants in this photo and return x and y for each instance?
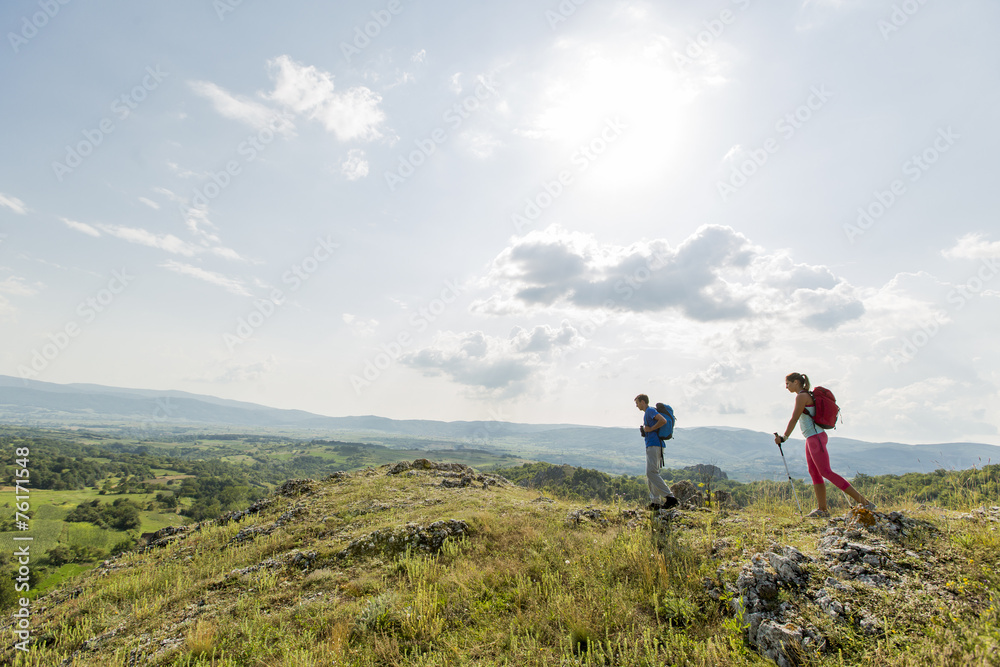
(819, 462)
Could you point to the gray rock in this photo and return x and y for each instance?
(782, 643)
(687, 493)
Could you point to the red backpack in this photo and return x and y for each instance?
(827, 410)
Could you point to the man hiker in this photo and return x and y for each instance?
(651, 423)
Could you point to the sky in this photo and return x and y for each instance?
(518, 211)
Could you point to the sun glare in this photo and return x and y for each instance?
(618, 116)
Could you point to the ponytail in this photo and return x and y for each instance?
(799, 377)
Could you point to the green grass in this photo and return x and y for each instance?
(48, 529)
(523, 588)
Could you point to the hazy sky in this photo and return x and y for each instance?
(527, 211)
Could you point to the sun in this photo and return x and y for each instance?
(617, 112)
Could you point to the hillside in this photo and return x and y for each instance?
(745, 454)
(436, 564)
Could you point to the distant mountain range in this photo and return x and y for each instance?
(742, 453)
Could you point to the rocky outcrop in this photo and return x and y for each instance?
(251, 533)
(595, 515)
(770, 622)
(706, 471)
(723, 498)
(413, 536)
(776, 587)
(296, 487)
(454, 475)
(688, 494)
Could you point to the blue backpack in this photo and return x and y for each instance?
(666, 431)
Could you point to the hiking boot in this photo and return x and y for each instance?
(818, 514)
(670, 501)
(654, 506)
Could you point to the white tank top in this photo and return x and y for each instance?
(807, 424)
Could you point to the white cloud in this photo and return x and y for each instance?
(360, 327)
(15, 286)
(491, 364)
(350, 115)
(973, 246)
(716, 274)
(81, 227)
(480, 144)
(196, 220)
(246, 111)
(233, 372)
(149, 202)
(354, 115)
(167, 242)
(233, 285)
(13, 203)
(355, 166)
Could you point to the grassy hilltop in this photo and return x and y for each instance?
(436, 564)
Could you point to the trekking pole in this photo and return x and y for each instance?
(790, 483)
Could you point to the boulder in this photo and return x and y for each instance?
(687, 493)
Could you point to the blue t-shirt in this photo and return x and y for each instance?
(649, 421)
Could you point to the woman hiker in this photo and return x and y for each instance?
(816, 455)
